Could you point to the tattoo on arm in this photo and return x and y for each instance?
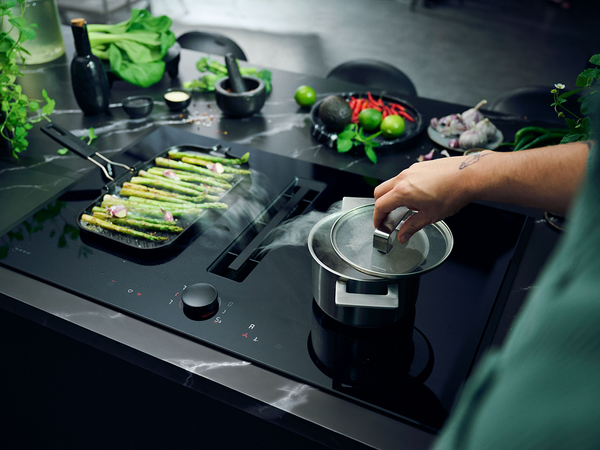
(472, 160)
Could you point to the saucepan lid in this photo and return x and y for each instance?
(352, 237)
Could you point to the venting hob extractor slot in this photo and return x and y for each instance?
(244, 254)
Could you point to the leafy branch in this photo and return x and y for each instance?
(580, 124)
(15, 105)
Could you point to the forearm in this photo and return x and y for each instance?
(545, 178)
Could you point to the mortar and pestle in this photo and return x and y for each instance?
(239, 96)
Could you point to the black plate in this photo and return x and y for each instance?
(328, 137)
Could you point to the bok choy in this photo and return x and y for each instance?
(136, 47)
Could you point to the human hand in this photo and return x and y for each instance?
(434, 189)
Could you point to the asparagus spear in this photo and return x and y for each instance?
(138, 223)
(159, 194)
(153, 208)
(147, 207)
(188, 176)
(185, 184)
(208, 165)
(166, 184)
(135, 216)
(175, 154)
(120, 229)
(171, 201)
(164, 162)
(197, 207)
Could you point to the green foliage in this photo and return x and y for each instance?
(352, 136)
(16, 106)
(580, 123)
(215, 71)
(136, 47)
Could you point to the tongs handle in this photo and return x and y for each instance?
(383, 233)
(77, 146)
(66, 138)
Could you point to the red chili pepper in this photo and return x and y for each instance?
(384, 114)
(397, 107)
(370, 97)
(406, 116)
(352, 102)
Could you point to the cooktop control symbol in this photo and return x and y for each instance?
(200, 301)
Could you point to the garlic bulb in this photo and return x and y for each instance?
(471, 139)
(488, 128)
(454, 128)
(472, 114)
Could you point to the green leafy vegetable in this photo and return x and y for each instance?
(352, 136)
(215, 71)
(136, 47)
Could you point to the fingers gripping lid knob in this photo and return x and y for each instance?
(200, 301)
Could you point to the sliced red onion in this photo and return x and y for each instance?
(170, 174)
(429, 155)
(118, 211)
(453, 143)
(167, 215)
(426, 157)
(216, 167)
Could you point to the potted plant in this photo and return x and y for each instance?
(15, 122)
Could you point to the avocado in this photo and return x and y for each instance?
(335, 112)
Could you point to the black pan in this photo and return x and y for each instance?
(76, 145)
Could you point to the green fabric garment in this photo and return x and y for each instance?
(541, 390)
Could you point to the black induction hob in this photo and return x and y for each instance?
(411, 370)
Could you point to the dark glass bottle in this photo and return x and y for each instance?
(89, 80)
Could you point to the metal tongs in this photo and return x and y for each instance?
(78, 147)
(383, 233)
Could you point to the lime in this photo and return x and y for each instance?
(369, 119)
(305, 96)
(392, 126)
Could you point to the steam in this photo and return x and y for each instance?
(295, 231)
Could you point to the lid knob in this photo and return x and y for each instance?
(383, 233)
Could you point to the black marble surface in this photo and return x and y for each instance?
(283, 128)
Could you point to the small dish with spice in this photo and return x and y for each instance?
(177, 99)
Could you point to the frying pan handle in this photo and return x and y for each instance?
(69, 140)
(383, 233)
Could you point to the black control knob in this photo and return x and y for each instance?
(200, 301)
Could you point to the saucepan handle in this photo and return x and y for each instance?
(383, 301)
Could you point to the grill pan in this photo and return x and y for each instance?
(71, 142)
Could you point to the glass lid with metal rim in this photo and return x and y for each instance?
(352, 239)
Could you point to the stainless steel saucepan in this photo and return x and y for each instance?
(365, 277)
